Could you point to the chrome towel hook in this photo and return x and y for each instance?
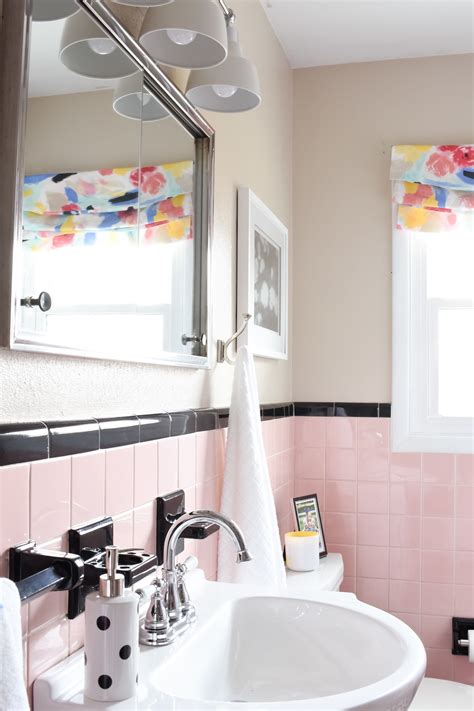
(222, 346)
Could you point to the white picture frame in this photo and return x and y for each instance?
(262, 277)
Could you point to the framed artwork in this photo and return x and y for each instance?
(308, 518)
(262, 277)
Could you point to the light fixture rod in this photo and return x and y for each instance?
(229, 14)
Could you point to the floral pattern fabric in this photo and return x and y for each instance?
(106, 206)
(433, 187)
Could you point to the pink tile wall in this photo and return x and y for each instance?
(42, 500)
(404, 524)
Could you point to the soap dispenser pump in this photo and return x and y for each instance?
(111, 636)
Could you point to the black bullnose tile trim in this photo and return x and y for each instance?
(222, 417)
(356, 409)
(206, 419)
(72, 437)
(314, 409)
(23, 442)
(118, 431)
(154, 426)
(183, 422)
(385, 409)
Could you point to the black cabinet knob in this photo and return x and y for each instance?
(43, 301)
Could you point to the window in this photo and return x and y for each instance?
(433, 302)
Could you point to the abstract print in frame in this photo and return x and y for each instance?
(262, 277)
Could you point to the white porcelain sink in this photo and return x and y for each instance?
(326, 651)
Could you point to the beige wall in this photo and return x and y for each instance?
(253, 149)
(346, 118)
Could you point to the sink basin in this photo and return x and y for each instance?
(323, 651)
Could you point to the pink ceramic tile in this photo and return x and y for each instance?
(464, 568)
(87, 487)
(207, 556)
(47, 646)
(310, 432)
(144, 527)
(410, 619)
(341, 432)
(341, 496)
(438, 500)
(463, 671)
(464, 534)
(167, 465)
(372, 464)
(221, 439)
(146, 473)
(349, 557)
(465, 469)
(436, 632)
(464, 501)
(373, 592)
(372, 562)
(206, 495)
(439, 664)
(76, 633)
(348, 585)
(14, 508)
(119, 464)
(405, 564)
(310, 463)
(437, 599)
(273, 471)
(405, 531)
(283, 433)
(405, 466)
(206, 453)
(437, 533)
(405, 498)
(190, 498)
(437, 566)
(312, 486)
(372, 530)
(187, 461)
(50, 498)
(405, 596)
(269, 437)
(373, 433)
(340, 528)
(372, 497)
(464, 600)
(341, 463)
(285, 467)
(438, 468)
(123, 530)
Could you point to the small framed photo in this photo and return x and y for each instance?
(308, 518)
(262, 277)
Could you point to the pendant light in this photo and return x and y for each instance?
(232, 86)
(143, 3)
(131, 100)
(190, 34)
(47, 10)
(86, 50)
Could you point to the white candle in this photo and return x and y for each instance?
(302, 550)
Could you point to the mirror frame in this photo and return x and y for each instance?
(15, 32)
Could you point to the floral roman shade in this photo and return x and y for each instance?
(105, 207)
(433, 187)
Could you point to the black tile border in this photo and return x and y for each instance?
(27, 442)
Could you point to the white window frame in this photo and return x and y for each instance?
(416, 426)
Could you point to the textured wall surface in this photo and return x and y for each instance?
(253, 150)
(347, 117)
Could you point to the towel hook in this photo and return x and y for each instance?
(222, 346)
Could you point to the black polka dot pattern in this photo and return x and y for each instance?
(85, 659)
(125, 651)
(105, 681)
(103, 623)
(136, 679)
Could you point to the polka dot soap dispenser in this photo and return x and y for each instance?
(111, 637)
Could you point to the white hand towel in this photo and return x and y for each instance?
(12, 686)
(247, 496)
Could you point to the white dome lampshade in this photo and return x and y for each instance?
(144, 3)
(47, 10)
(231, 87)
(133, 101)
(86, 50)
(190, 34)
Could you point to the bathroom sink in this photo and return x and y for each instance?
(322, 651)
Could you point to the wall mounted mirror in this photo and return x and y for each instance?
(114, 192)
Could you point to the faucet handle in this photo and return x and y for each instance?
(191, 563)
(156, 624)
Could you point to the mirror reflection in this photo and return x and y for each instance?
(106, 262)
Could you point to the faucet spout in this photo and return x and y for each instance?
(169, 555)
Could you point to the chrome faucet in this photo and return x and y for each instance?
(170, 612)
